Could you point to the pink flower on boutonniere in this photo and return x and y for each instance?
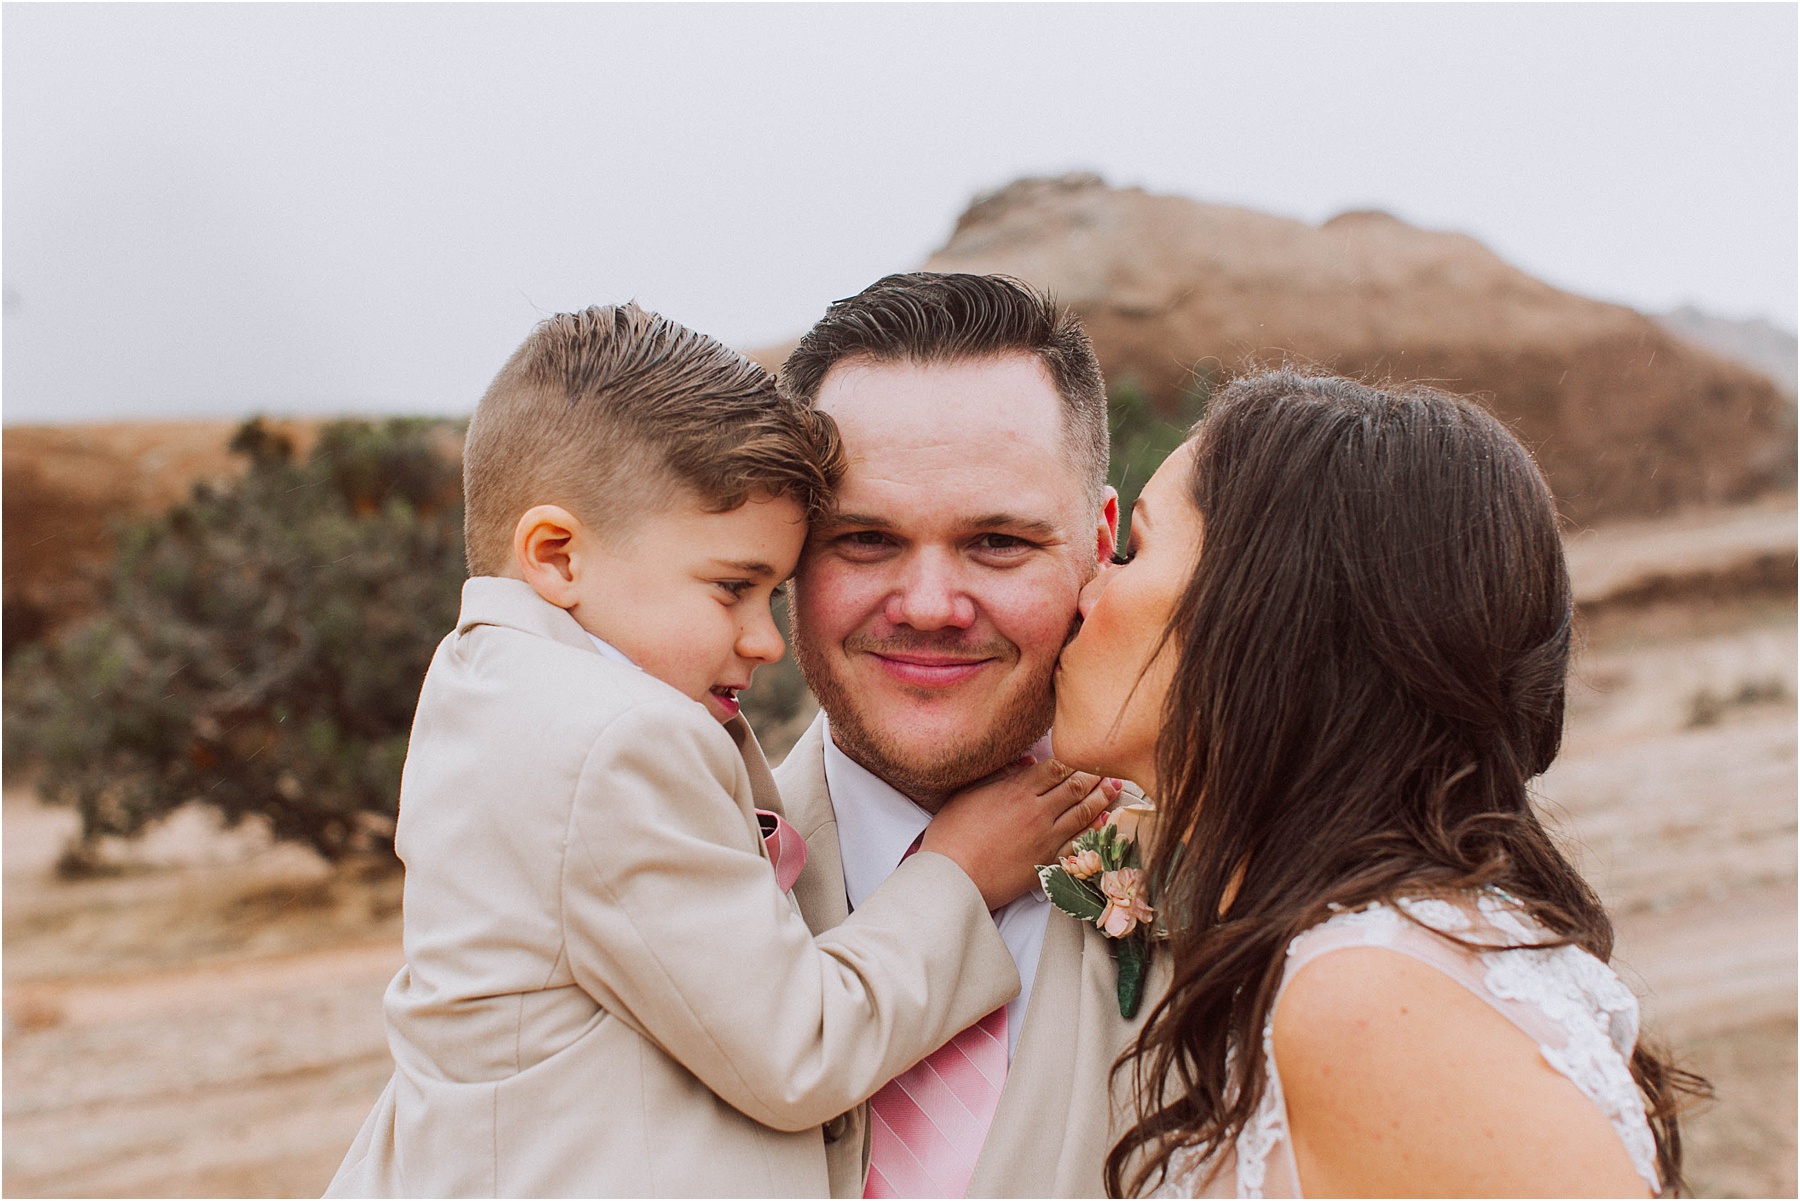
(1083, 864)
(1101, 880)
(1126, 908)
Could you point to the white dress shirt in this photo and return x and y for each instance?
(609, 650)
(876, 825)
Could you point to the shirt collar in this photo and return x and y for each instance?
(609, 650)
(876, 821)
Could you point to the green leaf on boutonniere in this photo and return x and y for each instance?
(1106, 841)
(1071, 895)
(1132, 855)
(1132, 954)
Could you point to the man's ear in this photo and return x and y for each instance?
(1107, 534)
(543, 553)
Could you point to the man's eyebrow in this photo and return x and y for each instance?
(747, 566)
(1011, 522)
(838, 521)
(1014, 523)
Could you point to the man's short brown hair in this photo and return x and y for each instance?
(613, 410)
(934, 317)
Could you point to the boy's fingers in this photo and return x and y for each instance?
(1046, 776)
(1080, 815)
(1114, 789)
(1110, 790)
(1073, 789)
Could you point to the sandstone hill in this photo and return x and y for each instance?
(1629, 419)
(1755, 343)
(1626, 418)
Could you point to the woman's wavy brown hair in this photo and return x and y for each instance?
(1371, 660)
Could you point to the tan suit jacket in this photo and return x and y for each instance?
(605, 991)
(1055, 1123)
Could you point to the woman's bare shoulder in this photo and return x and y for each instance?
(1400, 1080)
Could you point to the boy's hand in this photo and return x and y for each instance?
(1000, 830)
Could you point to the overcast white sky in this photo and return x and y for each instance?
(221, 209)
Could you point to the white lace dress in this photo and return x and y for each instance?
(1581, 1015)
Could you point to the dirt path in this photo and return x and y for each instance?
(1628, 556)
(208, 1022)
(1676, 791)
(245, 1079)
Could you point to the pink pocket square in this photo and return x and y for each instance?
(787, 850)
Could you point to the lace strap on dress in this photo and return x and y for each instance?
(1596, 1016)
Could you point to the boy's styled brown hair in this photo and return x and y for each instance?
(938, 317)
(615, 409)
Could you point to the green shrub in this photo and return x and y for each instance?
(263, 644)
(1143, 435)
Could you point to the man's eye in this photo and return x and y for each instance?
(1001, 542)
(1120, 558)
(863, 544)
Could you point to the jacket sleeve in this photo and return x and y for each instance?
(673, 920)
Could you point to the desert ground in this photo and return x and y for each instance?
(204, 1019)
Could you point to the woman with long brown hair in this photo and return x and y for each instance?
(1334, 653)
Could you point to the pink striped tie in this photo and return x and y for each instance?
(928, 1123)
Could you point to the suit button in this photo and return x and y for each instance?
(837, 1128)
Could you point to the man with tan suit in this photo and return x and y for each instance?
(928, 614)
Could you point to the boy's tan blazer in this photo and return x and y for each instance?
(606, 994)
(1055, 1123)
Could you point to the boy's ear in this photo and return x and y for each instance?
(543, 552)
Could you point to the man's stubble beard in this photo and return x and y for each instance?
(1008, 734)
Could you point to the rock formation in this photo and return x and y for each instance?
(1624, 417)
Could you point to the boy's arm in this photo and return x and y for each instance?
(674, 923)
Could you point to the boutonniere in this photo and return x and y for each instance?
(1101, 880)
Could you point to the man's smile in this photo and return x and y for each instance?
(927, 670)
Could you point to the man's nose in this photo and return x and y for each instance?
(1090, 593)
(932, 595)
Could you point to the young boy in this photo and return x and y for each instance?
(606, 992)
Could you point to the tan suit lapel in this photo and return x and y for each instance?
(762, 783)
(1055, 1125)
(820, 890)
(1035, 1102)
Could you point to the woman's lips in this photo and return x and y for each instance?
(928, 672)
